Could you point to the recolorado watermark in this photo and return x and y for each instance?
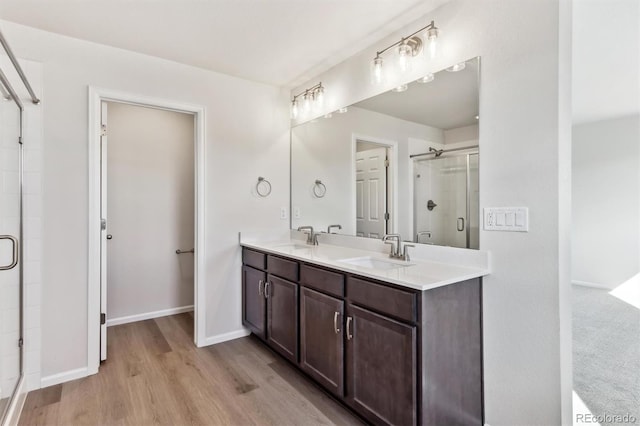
(606, 418)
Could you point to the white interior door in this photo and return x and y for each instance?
(371, 192)
(104, 232)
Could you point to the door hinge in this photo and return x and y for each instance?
(20, 140)
(103, 224)
(386, 216)
(20, 342)
(103, 132)
(103, 319)
(386, 162)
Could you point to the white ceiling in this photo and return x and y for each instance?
(606, 59)
(448, 102)
(278, 42)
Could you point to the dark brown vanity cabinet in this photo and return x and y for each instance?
(394, 355)
(322, 339)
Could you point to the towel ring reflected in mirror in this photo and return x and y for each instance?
(263, 187)
(319, 189)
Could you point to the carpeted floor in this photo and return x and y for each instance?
(606, 353)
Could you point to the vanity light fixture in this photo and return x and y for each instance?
(457, 67)
(407, 48)
(401, 88)
(312, 97)
(426, 79)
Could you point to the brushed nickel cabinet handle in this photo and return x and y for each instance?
(260, 285)
(335, 322)
(349, 335)
(267, 285)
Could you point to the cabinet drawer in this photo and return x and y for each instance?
(319, 279)
(283, 268)
(254, 258)
(388, 300)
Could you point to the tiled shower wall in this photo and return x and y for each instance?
(32, 215)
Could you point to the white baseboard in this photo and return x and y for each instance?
(15, 405)
(593, 285)
(232, 335)
(65, 376)
(149, 315)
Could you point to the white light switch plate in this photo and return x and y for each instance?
(296, 212)
(514, 219)
(283, 213)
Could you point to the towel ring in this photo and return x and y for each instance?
(319, 189)
(265, 185)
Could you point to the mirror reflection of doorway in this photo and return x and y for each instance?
(446, 200)
(373, 197)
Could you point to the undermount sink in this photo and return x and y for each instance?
(293, 247)
(375, 263)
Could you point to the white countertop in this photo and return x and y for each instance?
(419, 274)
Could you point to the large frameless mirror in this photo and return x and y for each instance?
(404, 161)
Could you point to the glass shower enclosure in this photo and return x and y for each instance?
(11, 289)
(446, 199)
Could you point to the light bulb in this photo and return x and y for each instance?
(432, 38)
(306, 103)
(342, 110)
(401, 88)
(404, 57)
(294, 109)
(319, 98)
(427, 78)
(376, 71)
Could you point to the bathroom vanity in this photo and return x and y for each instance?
(397, 342)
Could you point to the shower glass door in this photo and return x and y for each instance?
(446, 208)
(10, 253)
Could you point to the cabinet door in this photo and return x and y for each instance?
(321, 339)
(381, 368)
(253, 300)
(282, 316)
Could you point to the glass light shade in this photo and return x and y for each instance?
(404, 57)
(376, 71)
(319, 98)
(401, 88)
(295, 110)
(432, 38)
(427, 78)
(342, 110)
(306, 103)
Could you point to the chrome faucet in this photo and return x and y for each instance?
(395, 245)
(312, 237)
(405, 252)
(333, 226)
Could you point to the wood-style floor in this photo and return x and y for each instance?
(155, 375)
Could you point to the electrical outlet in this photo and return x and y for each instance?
(283, 213)
(296, 212)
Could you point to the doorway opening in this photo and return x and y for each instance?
(146, 212)
(375, 180)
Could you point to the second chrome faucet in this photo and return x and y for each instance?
(398, 250)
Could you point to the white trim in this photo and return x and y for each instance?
(96, 96)
(393, 146)
(12, 416)
(65, 376)
(148, 315)
(232, 335)
(593, 285)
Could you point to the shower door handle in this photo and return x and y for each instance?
(14, 260)
(460, 224)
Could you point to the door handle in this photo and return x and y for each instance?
(260, 285)
(266, 289)
(349, 335)
(109, 236)
(335, 322)
(14, 260)
(460, 224)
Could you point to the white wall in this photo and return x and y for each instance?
(247, 136)
(606, 206)
(525, 160)
(150, 187)
(323, 150)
